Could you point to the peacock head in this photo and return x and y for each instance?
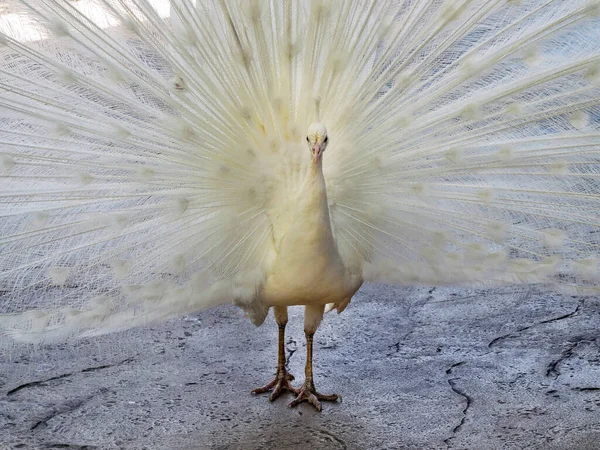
(317, 140)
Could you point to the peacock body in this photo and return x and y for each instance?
(154, 157)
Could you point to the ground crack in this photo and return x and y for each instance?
(66, 375)
(66, 408)
(72, 446)
(395, 346)
(451, 368)
(410, 314)
(554, 367)
(290, 346)
(552, 319)
(463, 394)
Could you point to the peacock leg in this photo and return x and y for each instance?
(307, 392)
(282, 377)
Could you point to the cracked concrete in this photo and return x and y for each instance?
(553, 319)
(417, 368)
(64, 375)
(68, 407)
(468, 402)
(553, 368)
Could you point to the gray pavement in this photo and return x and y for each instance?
(417, 368)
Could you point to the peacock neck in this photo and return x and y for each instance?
(314, 199)
(317, 191)
(315, 171)
(309, 235)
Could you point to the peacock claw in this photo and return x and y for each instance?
(278, 385)
(309, 394)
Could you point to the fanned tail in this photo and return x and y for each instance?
(148, 147)
(131, 182)
(475, 156)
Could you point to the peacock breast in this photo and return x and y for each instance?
(307, 270)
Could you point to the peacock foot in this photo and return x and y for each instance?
(278, 385)
(309, 394)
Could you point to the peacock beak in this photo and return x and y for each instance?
(316, 151)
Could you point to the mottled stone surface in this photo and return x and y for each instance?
(417, 368)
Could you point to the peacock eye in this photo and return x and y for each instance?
(326, 138)
(307, 140)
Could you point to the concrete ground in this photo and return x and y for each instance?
(417, 368)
